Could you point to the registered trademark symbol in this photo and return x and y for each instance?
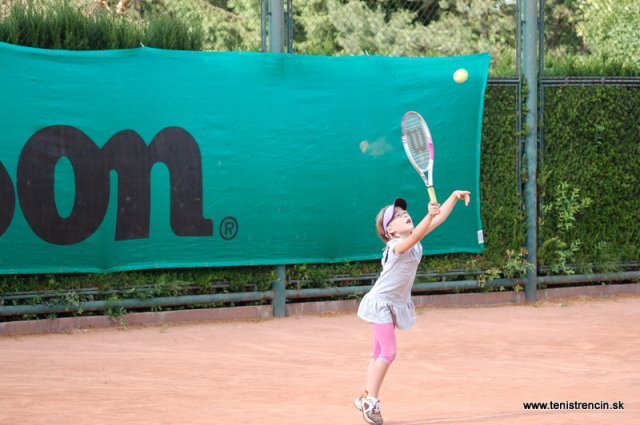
(228, 228)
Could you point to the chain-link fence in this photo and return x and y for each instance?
(578, 37)
(591, 37)
(406, 28)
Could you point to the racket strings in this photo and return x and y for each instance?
(419, 144)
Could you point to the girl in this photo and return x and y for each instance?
(388, 305)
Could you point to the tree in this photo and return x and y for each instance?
(560, 34)
(467, 26)
(361, 29)
(611, 30)
(408, 28)
(226, 24)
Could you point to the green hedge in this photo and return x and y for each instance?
(503, 213)
(591, 150)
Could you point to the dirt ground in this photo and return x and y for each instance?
(456, 366)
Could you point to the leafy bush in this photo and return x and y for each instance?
(62, 25)
(591, 144)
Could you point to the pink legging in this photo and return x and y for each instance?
(384, 342)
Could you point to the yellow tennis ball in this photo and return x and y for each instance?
(460, 76)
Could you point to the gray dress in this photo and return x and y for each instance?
(389, 301)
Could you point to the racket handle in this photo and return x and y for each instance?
(432, 194)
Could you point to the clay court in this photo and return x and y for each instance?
(457, 366)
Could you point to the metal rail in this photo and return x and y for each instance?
(279, 297)
(107, 305)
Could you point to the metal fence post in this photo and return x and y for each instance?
(289, 26)
(530, 70)
(279, 297)
(276, 26)
(276, 45)
(264, 8)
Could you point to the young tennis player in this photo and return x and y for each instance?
(388, 305)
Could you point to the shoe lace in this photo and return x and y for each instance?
(375, 409)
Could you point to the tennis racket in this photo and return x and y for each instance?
(418, 146)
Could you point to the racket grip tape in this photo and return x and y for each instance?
(432, 194)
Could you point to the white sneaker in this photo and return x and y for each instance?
(370, 409)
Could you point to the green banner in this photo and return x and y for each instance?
(146, 158)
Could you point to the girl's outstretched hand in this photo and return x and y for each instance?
(462, 195)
